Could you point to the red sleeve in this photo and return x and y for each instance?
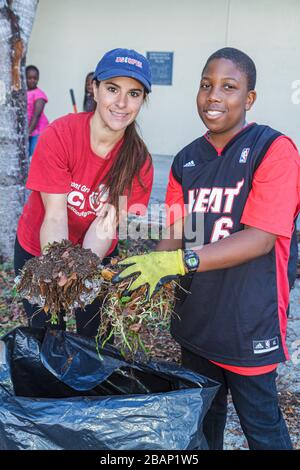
(139, 197)
(174, 201)
(49, 170)
(274, 199)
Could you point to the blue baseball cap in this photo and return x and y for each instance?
(124, 63)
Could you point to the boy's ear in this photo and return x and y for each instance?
(250, 99)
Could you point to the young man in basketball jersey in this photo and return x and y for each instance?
(244, 179)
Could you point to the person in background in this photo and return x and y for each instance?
(89, 104)
(36, 101)
(241, 181)
(82, 165)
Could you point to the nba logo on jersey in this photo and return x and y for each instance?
(244, 155)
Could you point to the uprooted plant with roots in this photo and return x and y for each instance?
(69, 277)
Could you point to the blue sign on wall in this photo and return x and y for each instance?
(161, 64)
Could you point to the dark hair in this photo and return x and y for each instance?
(34, 68)
(243, 62)
(89, 104)
(132, 157)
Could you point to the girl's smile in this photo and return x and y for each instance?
(119, 100)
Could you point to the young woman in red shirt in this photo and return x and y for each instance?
(83, 163)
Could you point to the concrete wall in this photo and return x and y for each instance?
(70, 36)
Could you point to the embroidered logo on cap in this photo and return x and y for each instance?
(130, 61)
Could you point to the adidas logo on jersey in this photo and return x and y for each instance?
(265, 346)
(189, 164)
(244, 155)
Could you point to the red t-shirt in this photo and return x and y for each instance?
(63, 162)
(270, 207)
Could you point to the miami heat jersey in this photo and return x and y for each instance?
(233, 315)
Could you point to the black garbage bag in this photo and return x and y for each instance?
(56, 393)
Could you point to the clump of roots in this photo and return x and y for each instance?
(69, 277)
(128, 319)
(65, 278)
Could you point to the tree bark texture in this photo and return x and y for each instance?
(16, 21)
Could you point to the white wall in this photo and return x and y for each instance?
(70, 36)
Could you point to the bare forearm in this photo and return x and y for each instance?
(236, 249)
(98, 242)
(33, 124)
(53, 230)
(38, 109)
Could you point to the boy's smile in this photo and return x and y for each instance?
(223, 100)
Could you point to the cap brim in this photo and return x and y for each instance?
(123, 73)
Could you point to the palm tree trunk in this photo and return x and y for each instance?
(16, 20)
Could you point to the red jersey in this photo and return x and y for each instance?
(63, 162)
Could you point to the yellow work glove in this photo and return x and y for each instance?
(156, 269)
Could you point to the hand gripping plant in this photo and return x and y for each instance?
(69, 277)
